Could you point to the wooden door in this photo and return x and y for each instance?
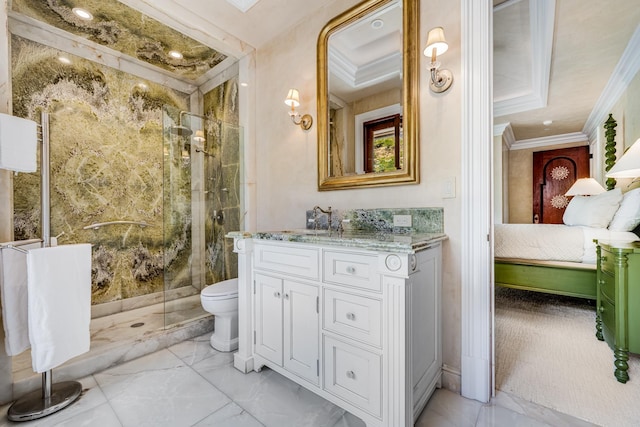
(554, 172)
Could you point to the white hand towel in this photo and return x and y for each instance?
(59, 282)
(18, 142)
(13, 288)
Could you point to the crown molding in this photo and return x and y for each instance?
(542, 19)
(621, 77)
(567, 138)
(506, 131)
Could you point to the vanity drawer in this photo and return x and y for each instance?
(353, 374)
(353, 316)
(294, 260)
(357, 270)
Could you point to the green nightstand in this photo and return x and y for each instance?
(618, 301)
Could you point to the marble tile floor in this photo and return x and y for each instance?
(114, 340)
(191, 384)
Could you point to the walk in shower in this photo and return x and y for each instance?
(155, 204)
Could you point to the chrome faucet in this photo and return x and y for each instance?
(315, 216)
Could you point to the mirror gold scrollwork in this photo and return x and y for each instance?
(368, 96)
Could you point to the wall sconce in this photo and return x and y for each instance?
(585, 187)
(436, 45)
(628, 166)
(293, 100)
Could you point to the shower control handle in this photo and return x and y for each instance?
(218, 217)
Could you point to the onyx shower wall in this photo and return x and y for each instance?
(109, 163)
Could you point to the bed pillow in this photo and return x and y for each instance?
(628, 215)
(593, 211)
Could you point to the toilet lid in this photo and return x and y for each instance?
(225, 288)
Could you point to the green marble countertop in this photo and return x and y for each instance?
(380, 241)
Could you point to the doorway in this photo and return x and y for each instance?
(554, 172)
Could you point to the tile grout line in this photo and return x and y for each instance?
(213, 385)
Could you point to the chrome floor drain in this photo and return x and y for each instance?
(137, 325)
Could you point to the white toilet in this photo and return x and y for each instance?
(221, 300)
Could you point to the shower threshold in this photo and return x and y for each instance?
(114, 341)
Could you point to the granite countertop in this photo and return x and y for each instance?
(390, 242)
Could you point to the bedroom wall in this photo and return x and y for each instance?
(521, 182)
(627, 114)
(286, 173)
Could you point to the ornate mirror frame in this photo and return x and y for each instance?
(410, 101)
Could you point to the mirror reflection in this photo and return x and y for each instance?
(363, 56)
(365, 93)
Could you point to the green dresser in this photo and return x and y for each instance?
(618, 301)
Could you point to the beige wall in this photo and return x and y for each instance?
(287, 159)
(627, 114)
(379, 100)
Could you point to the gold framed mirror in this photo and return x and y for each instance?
(368, 96)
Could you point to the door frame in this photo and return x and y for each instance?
(477, 345)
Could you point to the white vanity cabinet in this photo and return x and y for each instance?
(357, 326)
(286, 324)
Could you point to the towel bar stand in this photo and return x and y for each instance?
(52, 397)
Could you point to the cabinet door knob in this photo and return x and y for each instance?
(351, 316)
(601, 309)
(276, 294)
(351, 374)
(286, 296)
(603, 258)
(351, 269)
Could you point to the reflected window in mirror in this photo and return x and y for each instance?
(382, 144)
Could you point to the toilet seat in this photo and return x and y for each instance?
(227, 289)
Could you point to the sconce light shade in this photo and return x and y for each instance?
(585, 187)
(435, 40)
(628, 166)
(437, 45)
(293, 100)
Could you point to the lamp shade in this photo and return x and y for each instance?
(585, 187)
(628, 166)
(293, 98)
(435, 40)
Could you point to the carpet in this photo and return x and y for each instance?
(547, 353)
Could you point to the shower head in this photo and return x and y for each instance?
(180, 130)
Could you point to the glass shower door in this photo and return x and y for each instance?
(201, 203)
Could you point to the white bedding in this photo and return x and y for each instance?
(553, 242)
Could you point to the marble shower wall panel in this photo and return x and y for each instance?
(106, 165)
(222, 179)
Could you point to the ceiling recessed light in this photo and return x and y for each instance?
(547, 122)
(175, 54)
(376, 24)
(64, 60)
(82, 13)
